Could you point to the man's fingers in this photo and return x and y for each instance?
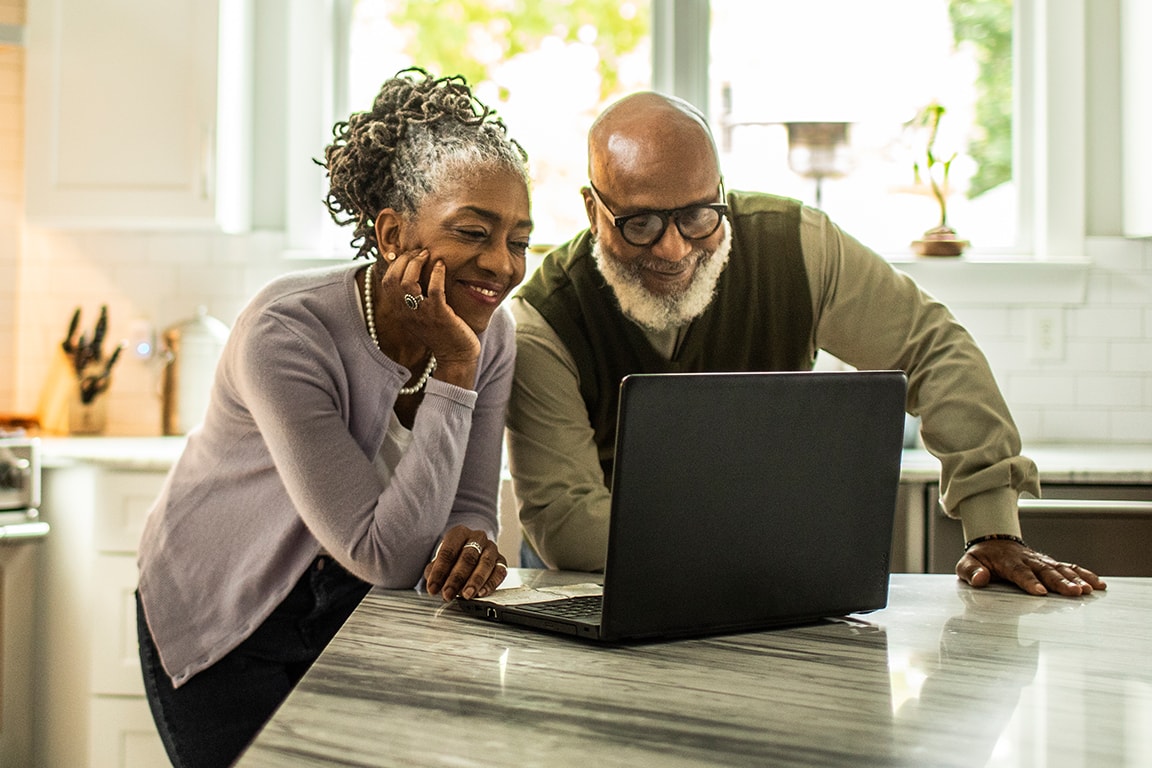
(973, 571)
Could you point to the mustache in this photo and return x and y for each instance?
(641, 265)
(660, 312)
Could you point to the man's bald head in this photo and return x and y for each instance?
(646, 136)
(652, 156)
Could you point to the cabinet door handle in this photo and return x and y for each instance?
(207, 162)
(1087, 506)
(17, 532)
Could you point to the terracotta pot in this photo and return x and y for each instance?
(939, 241)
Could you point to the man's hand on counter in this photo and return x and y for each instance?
(1034, 572)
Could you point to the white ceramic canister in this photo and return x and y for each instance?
(192, 349)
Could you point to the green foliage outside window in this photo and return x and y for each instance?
(987, 25)
(471, 37)
(444, 36)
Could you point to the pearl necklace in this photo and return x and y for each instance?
(370, 314)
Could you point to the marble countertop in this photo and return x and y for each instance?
(1058, 463)
(944, 676)
(140, 453)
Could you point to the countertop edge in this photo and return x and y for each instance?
(1058, 463)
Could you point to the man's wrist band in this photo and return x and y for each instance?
(994, 537)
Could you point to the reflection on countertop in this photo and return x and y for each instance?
(946, 675)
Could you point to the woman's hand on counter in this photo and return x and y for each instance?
(466, 563)
(1034, 572)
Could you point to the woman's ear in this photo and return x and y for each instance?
(389, 231)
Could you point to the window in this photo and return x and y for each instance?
(549, 66)
(831, 102)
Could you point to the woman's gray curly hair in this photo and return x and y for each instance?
(420, 133)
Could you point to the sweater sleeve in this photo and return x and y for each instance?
(870, 315)
(296, 388)
(477, 497)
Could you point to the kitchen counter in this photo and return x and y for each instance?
(944, 676)
(140, 453)
(1058, 463)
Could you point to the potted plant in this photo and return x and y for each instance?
(940, 240)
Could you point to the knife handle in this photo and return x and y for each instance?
(68, 346)
(98, 333)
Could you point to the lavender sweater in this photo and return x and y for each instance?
(282, 467)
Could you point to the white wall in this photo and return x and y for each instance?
(11, 194)
(161, 277)
(1100, 391)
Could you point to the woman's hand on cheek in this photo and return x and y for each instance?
(458, 348)
(432, 321)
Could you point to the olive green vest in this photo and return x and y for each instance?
(760, 319)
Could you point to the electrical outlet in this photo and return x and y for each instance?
(141, 341)
(1046, 333)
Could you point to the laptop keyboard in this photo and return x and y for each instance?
(572, 608)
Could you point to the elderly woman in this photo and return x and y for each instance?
(354, 432)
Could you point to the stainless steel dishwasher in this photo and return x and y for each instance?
(21, 530)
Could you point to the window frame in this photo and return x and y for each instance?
(1049, 140)
(1049, 143)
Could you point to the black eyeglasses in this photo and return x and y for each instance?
(694, 222)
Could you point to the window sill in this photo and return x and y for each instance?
(1019, 282)
(955, 281)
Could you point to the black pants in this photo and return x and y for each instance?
(209, 720)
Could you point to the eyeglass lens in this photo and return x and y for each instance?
(693, 223)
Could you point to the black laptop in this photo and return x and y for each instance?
(740, 501)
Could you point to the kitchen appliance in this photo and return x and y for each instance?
(192, 348)
(20, 488)
(21, 530)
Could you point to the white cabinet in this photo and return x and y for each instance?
(1136, 116)
(123, 735)
(91, 710)
(115, 656)
(136, 113)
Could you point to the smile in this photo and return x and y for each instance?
(486, 292)
(667, 273)
(670, 272)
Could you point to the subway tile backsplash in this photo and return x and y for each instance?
(160, 278)
(1100, 390)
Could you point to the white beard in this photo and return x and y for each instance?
(659, 312)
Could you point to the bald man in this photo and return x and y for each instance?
(676, 274)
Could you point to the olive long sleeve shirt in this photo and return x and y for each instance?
(865, 313)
